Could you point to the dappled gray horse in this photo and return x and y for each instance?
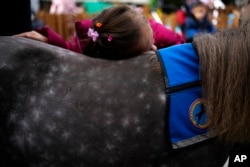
(60, 108)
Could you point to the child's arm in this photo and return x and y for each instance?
(46, 34)
(57, 40)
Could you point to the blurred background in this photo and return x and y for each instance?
(60, 15)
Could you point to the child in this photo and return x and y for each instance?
(119, 29)
(197, 22)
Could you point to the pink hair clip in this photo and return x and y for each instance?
(93, 34)
(110, 38)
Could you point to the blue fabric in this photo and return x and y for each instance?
(187, 120)
(181, 64)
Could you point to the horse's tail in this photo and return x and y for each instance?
(225, 73)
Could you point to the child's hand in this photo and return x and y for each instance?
(154, 48)
(33, 35)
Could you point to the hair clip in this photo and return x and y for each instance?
(110, 38)
(98, 24)
(93, 34)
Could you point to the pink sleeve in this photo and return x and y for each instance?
(164, 37)
(57, 40)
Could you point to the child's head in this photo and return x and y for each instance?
(199, 10)
(118, 33)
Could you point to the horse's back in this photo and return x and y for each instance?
(60, 108)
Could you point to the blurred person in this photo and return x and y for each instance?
(197, 22)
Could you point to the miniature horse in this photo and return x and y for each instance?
(60, 108)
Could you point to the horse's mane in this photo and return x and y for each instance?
(225, 73)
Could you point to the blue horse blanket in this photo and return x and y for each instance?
(186, 111)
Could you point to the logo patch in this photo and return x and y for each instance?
(197, 114)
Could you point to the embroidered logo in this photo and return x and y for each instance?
(197, 114)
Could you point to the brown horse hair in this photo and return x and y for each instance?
(225, 73)
(244, 14)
